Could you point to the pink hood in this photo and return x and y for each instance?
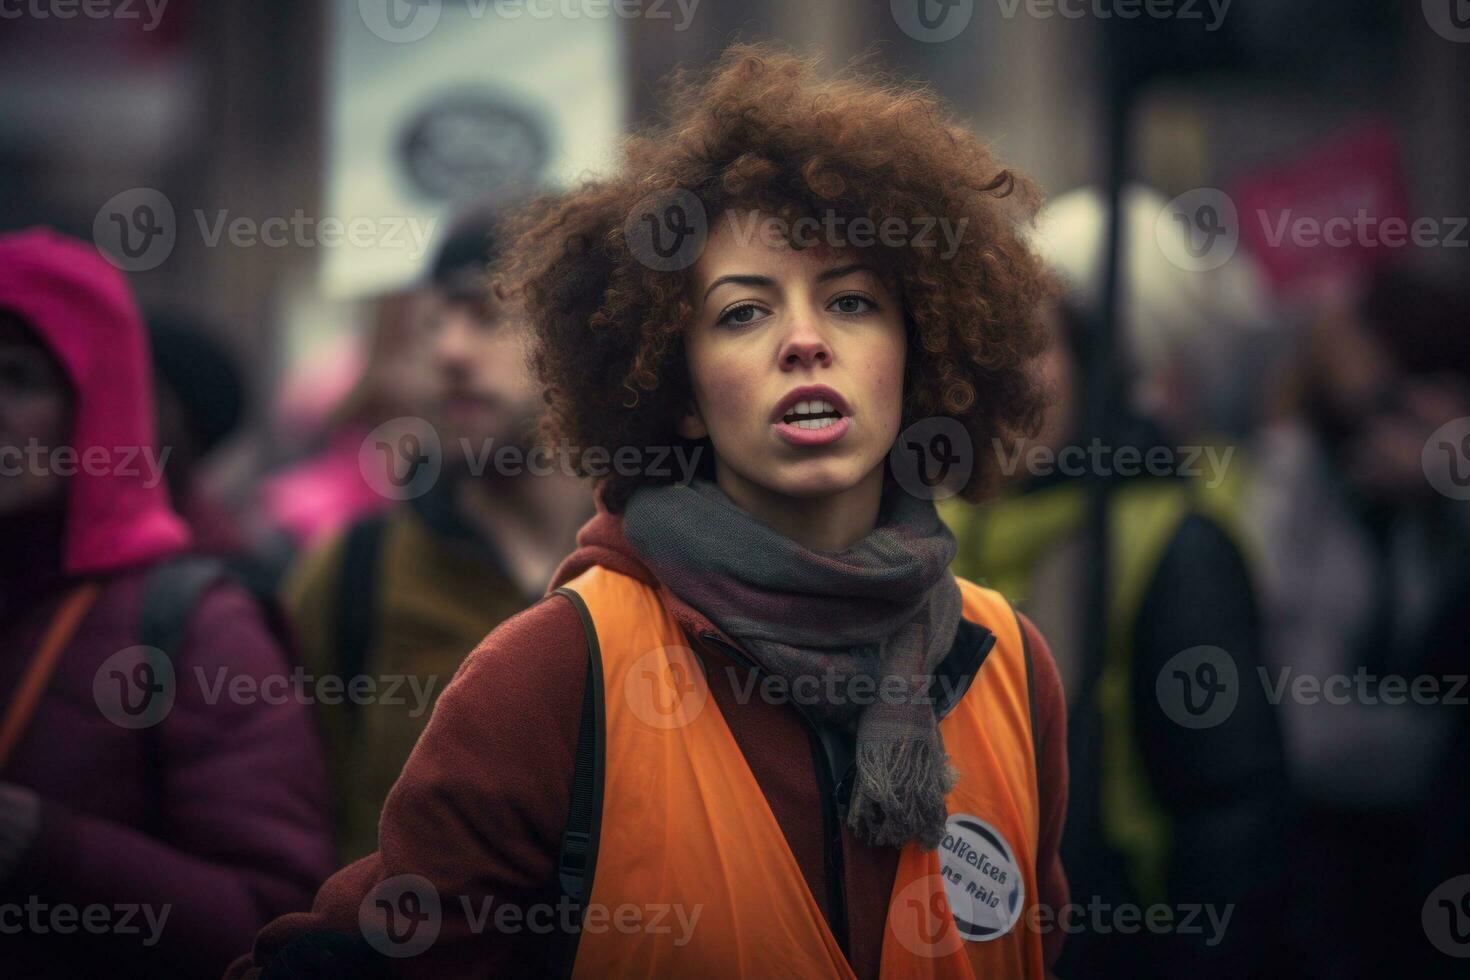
(81, 307)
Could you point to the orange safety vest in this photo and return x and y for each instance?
(693, 875)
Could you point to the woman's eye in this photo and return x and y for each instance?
(741, 315)
(853, 304)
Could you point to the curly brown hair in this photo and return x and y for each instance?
(761, 131)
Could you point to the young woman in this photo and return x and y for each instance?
(809, 750)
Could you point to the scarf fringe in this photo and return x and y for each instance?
(899, 791)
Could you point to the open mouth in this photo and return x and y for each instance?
(813, 414)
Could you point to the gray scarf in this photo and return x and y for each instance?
(865, 627)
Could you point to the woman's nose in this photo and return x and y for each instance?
(805, 347)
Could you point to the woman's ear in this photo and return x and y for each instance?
(692, 426)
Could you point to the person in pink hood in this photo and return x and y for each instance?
(156, 806)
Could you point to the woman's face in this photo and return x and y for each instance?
(35, 407)
(797, 363)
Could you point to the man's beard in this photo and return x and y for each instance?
(474, 456)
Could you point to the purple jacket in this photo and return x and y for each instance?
(161, 850)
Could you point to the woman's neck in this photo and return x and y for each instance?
(834, 522)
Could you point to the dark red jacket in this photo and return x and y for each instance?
(218, 813)
(480, 808)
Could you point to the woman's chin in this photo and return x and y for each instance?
(817, 478)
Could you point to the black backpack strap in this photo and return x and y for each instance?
(578, 862)
(170, 593)
(357, 595)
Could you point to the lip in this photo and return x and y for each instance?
(809, 393)
(797, 436)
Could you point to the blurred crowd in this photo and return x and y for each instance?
(1289, 547)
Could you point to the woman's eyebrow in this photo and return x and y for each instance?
(845, 270)
(764, 281)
